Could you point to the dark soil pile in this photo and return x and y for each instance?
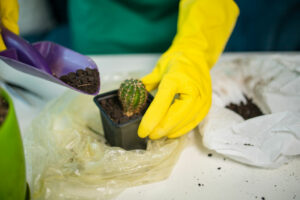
(85, 80)
(113, 108)
(247, 111)
(3, 110)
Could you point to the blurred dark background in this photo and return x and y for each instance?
(263, 25)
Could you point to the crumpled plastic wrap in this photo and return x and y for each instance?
(274, 85)
(67, 157)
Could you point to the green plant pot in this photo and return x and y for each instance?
(12, 160)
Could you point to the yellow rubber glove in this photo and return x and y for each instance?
(203, 29)
(9, 15)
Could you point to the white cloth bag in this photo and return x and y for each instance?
(264, 141)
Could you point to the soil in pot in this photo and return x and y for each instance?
(85, 80)
(3, 109)
(247, 110)
(113, 108)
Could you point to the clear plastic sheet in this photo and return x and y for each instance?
(67, 157)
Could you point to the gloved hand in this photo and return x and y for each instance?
(9, 15)
(204, 27)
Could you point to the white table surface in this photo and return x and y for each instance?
(231, 181)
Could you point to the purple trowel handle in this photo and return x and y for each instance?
(26, 53)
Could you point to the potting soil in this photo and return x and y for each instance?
(113, 108)
(3, 109)
(247, 110)
(85, 80)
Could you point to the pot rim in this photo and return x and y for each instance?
(108, 95)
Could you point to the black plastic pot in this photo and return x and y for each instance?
(123, 135)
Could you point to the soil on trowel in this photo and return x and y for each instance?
(85, 80)
(3, 110)
(113, 109)
(247, 110)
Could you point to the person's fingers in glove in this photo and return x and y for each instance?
(162, 104)
(197, 114)
(177, 112)
(200, 106)
(9, 15)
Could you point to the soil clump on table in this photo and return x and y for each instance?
(247, 110)
(113, 109)
(3, 109)
(85, 80)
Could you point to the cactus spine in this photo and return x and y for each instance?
(133, 96)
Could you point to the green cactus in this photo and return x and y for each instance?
(133, 96)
